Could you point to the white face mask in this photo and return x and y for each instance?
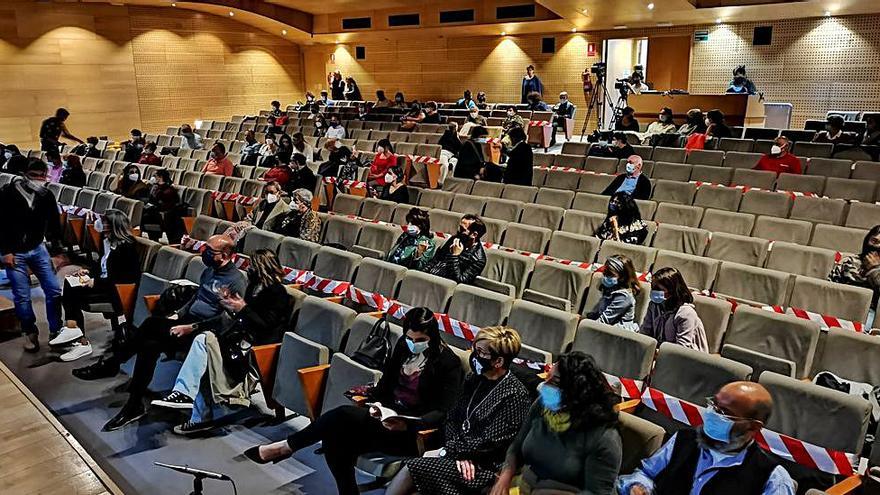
(412, 229)
(134, 177)
(8, 155)
(380, 149)
(474, 115)
(663, 118)
(271, 198)
(630, 168)
(153, 180)
(708, 122)
(775, 150)
(99, 224)
(389, 178)
(510, 114)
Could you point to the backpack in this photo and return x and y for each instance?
(376, 348)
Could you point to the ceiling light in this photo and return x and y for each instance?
(174, 5)
(827, 13)
(664, 24)
(718, 21)
(574, 30)
(503, 33)
(620, 27)
(284, 32)
(651, 6)
(231, 14)
(584, 11)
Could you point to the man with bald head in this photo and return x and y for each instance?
(158, 334)
(720, 457)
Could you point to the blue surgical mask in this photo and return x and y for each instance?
(658, 297)
(416, 347)
(716, 426)
(609, 281)
(412, 229)
(551, 396)
(630, 168)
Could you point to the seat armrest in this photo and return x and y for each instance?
(848, 485)
(627, 406)
(150, 300)
(423, 439)
(313, 380)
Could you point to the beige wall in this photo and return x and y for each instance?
(116, 68)
(815, 64)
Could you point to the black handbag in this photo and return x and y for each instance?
(376, 348)
(173, 298)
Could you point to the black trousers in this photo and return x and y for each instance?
(347, 432)
(76, 299)
(152, 339)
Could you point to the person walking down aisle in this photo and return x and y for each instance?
(53, 129)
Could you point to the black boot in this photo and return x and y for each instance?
(132, 411)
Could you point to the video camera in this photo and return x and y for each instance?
(599, 69)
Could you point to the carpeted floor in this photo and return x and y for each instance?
(127, 455)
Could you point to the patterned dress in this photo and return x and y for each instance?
(479, 428)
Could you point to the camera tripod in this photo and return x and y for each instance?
(595, 97)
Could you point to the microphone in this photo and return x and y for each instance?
(201, 473)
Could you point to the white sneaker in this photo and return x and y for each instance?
(66, 335)
(77, 350)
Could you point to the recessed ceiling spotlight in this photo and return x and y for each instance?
(827, 13)
(503, 33)
(664, 24)
(718, 21)
(651, 6)
(174, 5)
(284, 32)
(620, 27)
(574, 30)
(231, 14)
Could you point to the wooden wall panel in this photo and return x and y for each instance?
(116, 68)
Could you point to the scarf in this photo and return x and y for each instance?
(558, 422)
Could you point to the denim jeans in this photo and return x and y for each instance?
(190, 379)
(40, 263)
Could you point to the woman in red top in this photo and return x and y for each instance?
(779, 160)
(149, 156)
(280, 172)
(385, 159)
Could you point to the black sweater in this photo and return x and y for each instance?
(520, 165)
(643, 187)
(439, 384)
(266, 314)
(25, 227)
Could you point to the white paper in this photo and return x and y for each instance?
(388, 413)
(76, 281)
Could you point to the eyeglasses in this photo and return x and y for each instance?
(713, 405)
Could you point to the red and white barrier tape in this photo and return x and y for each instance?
(555, 168)
(422, 159)
(236, 197)
(627, 388)
(806, 454)
(538, 123)
(351, 184)
(825, 322)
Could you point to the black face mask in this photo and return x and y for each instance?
(739, 80)
(208, 258)
(479, 364)
(464, 236)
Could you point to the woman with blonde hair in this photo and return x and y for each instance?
(479, 429)
(257, 317)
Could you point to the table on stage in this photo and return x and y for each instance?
(737, 109)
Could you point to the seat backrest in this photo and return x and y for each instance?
(818, 210)
(801, 260)
(594, 183)
(674, 192)
(721, 198)
(817, 415)
(597, 203)
(728, 221)
(361, 328)
(575, 247)
(377, 209)
(738, 249)
(866, 170)
(434, 198)
(342, 230)
(347, 204)
(774, 334)
(863, 215)
(678, 172)
(261, 239)
(147, 250)
(761, 179)
(715, 314)
(171, 263)
(640, 439)
(681, 239)
(541, 327)
(641, 256)
(465, 203)
(376, 240)
(487, 189)
(843, 239)
(563, 282)
(851, 189)
(782, 229)
(740, 159)
(674, 155)
(582, 222)
(378, 276)
(766, 203)
(443, 220)
(503, 209)
(829, 298)
(555, 197)
(515, 192)
(336, 264)
(801, 183)
(829, 167)
(297, 253)
(693, 375)
(849, 355)
(508, 268)
(705, 157)
(735, 145)
(480, 307)
(601, 165)
(324, 322)
(618, 352)
(752, 284)
(677, 214)
(344, 374)
(526, 237)
(698, 272)
(423, 289)
(457, 185)
(539, 215)
(712, 174)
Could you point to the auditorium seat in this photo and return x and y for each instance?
(640, 439)
(818, 210)
(715, 314)
(600, 165)
(721, 198)
(543, 328)
(457, 185)
(525, 237)
(620, 353)
(760, 133)
(807, 149)
(582, 222)
(646, 152)
(866, 170)
(828, 298)
(829, 167)
(741, 159)
(573, 161)
(377, 209)
(779, 335)
(849, 355)
(673, 155)
(738, 249)
(487, 189)
(505, 272)
(782, 229)
(712, 174)
(465, 203)
(727, 221)
(678, 214)
(573, 148)
(561, 179)
(751, 284)
(863, 215)
(801, 260)
(423, 289)
(674, 192)
(698, 271)
(376, 240)
(433, 198)
(706, 157)
(575, 247)
(595, 183)
(842, 239)
(641, 256)
(555, 197)
(539, 215)
(737, 145)
(801, 183)
(297, 253)
(514, 192)
(678, 172)
(494, 229)
(341, 230)
(480, 307)
(681, 239)
(769, 203)
(851, 189)
(503, 209)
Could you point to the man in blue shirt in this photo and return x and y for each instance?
(719, 457)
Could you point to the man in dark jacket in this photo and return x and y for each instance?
(633, 182)
(31, 218)
(520, 160)
(53, 129)
(462, 257)
(561, 111)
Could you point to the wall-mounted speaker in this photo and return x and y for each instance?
(763, 35)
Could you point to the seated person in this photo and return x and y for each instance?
(475, 118)
(269, 207)
(319, 121)
(280, 171)
(382, 101)
(310, 100)
(619, 147)
(72, 173)
(627, 121)
(671, 314)
(191, 140)
(335, 129)
(422, 379)
(481, 100)
(399, 101)
(720, 456)
(520, 159)
(149, 156)
(740, 84)
(159, 334)
(715, 125)
(415, 247)
(395, 189)
(301, 176)
(694, 124)
(833, 132)
(863, 269)
(561, 111)
(535, 103)
(569, 443)
(133, 147)
(633, 182)
(211, 376)
(341, 161)
(413, 118)
(89, 149)
(325, 100)
(512, 121)
(250, 152)
(297, 144)
(219, 162)
(130, 184)
(471, 162)
(461, 258)
(466, 102)
(663, 125)
(119, 264)
(269, 147)
(432, 115)
(162, 212)
(620, 286)
(872, 131)
(624, 221)
(300, 221)
(479, 429)
(277, 118)
(779, 159)
(384, 160)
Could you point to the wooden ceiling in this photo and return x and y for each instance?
(318, 21)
